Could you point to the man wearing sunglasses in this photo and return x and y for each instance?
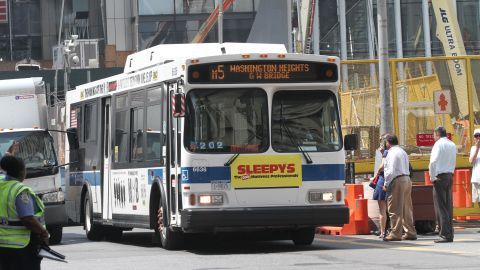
(475, 161)
(442, 166)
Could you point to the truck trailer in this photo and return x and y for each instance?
(24, 134)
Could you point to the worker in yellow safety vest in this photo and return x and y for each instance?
(22, 227)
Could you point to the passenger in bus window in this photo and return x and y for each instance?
(137, 145)
(475, 161)
(13, 149)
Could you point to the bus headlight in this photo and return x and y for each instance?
(53, 197)
(210, 199)
(320, 196)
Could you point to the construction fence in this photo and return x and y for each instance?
(425, 93)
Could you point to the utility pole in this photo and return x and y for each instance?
(342, 17)
(60, 28)
(426, 35)
(10, 21)
(386, 124)
(220, 21)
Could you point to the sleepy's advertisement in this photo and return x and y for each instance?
(267, 171)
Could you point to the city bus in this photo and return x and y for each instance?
(207, 138)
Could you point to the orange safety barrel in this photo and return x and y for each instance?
(361, 210)
(426, 176)
(461, 186)
(353, 192)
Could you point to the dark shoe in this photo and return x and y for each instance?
(443, 240)
(391, 238)
(409, 238)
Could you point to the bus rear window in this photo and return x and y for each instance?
(226, 121)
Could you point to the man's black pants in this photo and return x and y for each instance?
(442, 200)
(20, 259)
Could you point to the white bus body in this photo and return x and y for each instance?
(259, 146)
(24, 121)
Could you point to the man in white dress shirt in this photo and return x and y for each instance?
(442, 166)
(399, 187)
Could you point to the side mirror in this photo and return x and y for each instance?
(350, 142)
(178, 105)
(73, 139)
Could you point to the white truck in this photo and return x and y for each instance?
(23, 133)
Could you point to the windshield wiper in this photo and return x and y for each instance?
(231, 160)
(295, 142)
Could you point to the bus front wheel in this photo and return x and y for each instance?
(94, 231)
(303, 236)
(170, 240)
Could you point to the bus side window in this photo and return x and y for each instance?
(154, 133)
(121, 129)
(76, 125)
(90, 127)
(120, 152)
(136, 134)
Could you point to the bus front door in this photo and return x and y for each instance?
(174, 141)
(106, 160)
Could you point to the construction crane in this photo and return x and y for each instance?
(210, 22)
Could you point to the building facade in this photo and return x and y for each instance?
(345, 28)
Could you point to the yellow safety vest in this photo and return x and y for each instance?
(13, 234)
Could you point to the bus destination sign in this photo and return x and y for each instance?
(262, 72)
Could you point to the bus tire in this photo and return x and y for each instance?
(169, 239)
(303, 236)
(93, 231)
(56, 233)
(172, 240)
(113, 234)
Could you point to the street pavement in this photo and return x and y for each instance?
(205, 252)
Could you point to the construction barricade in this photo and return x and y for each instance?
(461, 194)
(358, 206)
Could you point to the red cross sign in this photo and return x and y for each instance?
(442, 102)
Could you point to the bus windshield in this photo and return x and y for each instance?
(226, 121)
(34, 147)
(305, 121)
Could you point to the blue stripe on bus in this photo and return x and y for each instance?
(323, 172)
(317, 172)
(79, 178)
(197, 176)
(93, 178)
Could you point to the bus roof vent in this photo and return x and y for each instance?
(160, 54)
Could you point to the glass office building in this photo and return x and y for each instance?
(26, 31)
(412, 28)
(178, 21)
(35, 25)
